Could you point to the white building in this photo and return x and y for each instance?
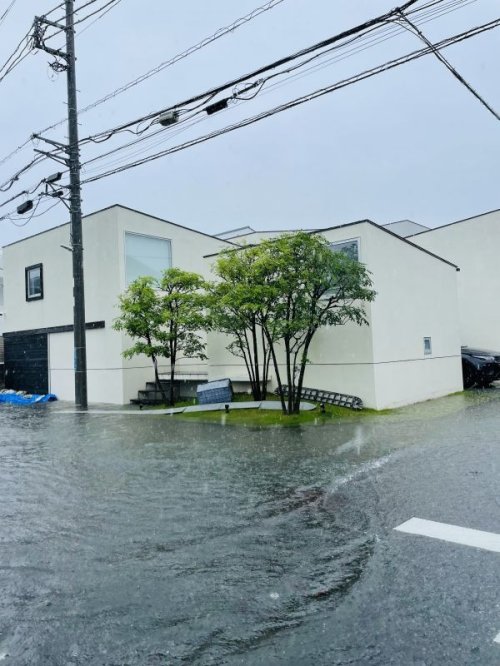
(473, 244)
(1, 317)
(1, 293)
(411, 349)
(119, 245)
(409, 352)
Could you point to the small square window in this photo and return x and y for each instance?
(427, 346)
(349, 247)
(34, 282)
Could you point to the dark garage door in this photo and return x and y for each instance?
(26, 362)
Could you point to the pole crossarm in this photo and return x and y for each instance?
(57, 158)
(38, 38)
(57, 144)
(43, 20)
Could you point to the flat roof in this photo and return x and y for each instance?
(373, 224)
(133, 210)
(450, 224)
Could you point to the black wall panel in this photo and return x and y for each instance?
(26, 362)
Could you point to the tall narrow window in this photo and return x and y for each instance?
(146, 255)
(427, 346)
(34, 282)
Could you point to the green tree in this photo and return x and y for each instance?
(236, 305)
(292, 285)
(182, 304)
(164, 318)
(311, 286)
(141, 318)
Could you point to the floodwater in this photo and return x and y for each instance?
(151, 540)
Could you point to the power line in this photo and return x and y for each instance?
(448, 6)
(180, 56)
(428, 12)
(3, 16)
(306, 98)
(26, 219)
(116, 2)
(362, 43)
(323, 91)
(359, 29)
(449, 66)
(16, 56)
(221, 32)
(97, 11)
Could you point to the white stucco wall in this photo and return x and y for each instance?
(104, 370)
(473, 245)
(110, 377)
(188, 249)
(1, 293)
(416, 298)
(383, 363)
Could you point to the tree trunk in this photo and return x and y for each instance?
(278, 376)
(265, 366)
(254, 385)
(173, 361)
(172, 375)
(257, 394)
(157, 380)
(291, 383)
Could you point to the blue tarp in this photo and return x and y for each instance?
(16, 399)
(220, 390)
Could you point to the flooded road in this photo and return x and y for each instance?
(151, 540)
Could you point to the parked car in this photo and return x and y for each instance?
(480, 367)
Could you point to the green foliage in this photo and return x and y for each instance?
(287, 288)
(164, 319)
(261, 418)
(236, 302)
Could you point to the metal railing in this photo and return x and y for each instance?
(327, 397)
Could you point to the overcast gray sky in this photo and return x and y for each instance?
(410, 143)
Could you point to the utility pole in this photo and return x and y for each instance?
(76, 217)
(73, 162)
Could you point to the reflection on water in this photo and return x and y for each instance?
(130, 540)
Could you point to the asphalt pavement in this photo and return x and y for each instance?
(420, 600)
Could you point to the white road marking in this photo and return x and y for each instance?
(453, 533)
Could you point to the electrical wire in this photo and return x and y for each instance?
(33, 214)
(221, 32)
(393, 29)
(16, 56)
(413, 28)
(180, 56)
(98, 18)
(306, 98)
(5, 187)
(3, 16)
(363, 41)
(331, 41)
(172, 61)
(54, 9)
(192, 119)
(97, 11)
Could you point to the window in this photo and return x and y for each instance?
(34, 282)
(146, 255)
(427, 346)
(348, 247)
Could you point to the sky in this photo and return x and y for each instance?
(411, 143)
